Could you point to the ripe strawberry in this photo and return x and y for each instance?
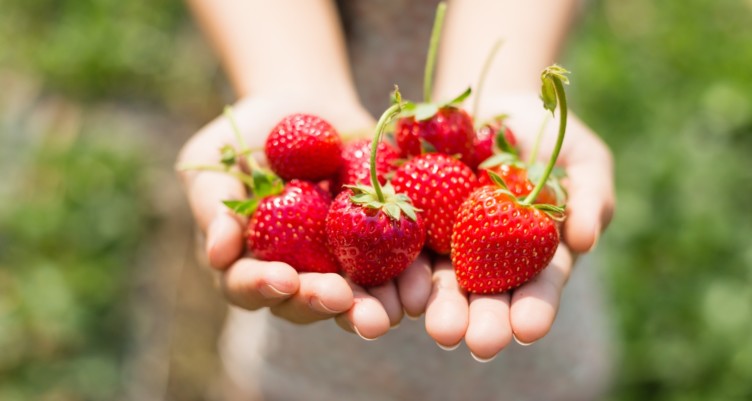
(498, 244)
(371, 244)
(289, 227)
(356, 161)
(499, 241)
(373, 231)
(516, 179)
(304, 146)
(437, 184)
(485, 136)
(449, 130)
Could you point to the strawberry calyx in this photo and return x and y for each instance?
(392, 203)
(555, 212)
(375, 196)
(425, 110)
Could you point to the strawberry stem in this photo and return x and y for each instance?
(484, 73)
(244, 149)
(553, 78)
(538, 139)
(433, 46)
(385, 118)
(245, 178)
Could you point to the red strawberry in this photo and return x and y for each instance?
(485, 137)
(372, 246)
(449, 131)
(499, 241)
(356, 161)
(516, 180)
(437, 184)
(304, 146)
(498, 244)
(373, 231)
(290, 227)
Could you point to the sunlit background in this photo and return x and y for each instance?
(100, 294)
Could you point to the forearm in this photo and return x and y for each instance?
(278, 48)
(532, 32)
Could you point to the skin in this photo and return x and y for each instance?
(271, 82)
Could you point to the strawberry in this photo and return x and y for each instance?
(372, 244)
(304, 146)
(499, 241)
(485, 136)
(437, 184)
(355, 165)
(289, 227)
(373, 231)
(516, 180)
(498, 244)
(449, 130)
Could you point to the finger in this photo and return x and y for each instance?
(414, 286)
(252, 284)
(367, 317)
(535, 303)
(447, 311)
(489, 329)
(224, 229)
(389, 298)
(591, 193)
(320, 296)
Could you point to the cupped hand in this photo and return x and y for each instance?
(253, 284)
(488, 323)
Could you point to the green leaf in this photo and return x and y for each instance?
(424, 111)
(426, 147)
(548, 95)
(392, 210)
(535, 172)
(243, 207)
(409, 210)
(497, 180)
(497, 160)
(502, 143)
(266, 184)
(228, 156)
(459, 99)
(555, 212)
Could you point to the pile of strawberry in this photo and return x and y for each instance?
(367, 208)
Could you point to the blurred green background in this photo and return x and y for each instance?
(97, 95)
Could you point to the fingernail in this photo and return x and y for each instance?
(316, 303)
(269, 291)
(524, 344)
(355, 329)
(411, 317)
(449, 348)
(396, 325)
(481, 360)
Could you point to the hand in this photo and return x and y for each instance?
(489, 322)
(253, 284)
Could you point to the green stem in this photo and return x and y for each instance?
(245, 178)
(483, 74)
(433, 46)
(538, 139)
(559, 141)
(244, 149)
(392, 111)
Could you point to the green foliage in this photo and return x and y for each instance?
(667, 85)
(70, 227)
